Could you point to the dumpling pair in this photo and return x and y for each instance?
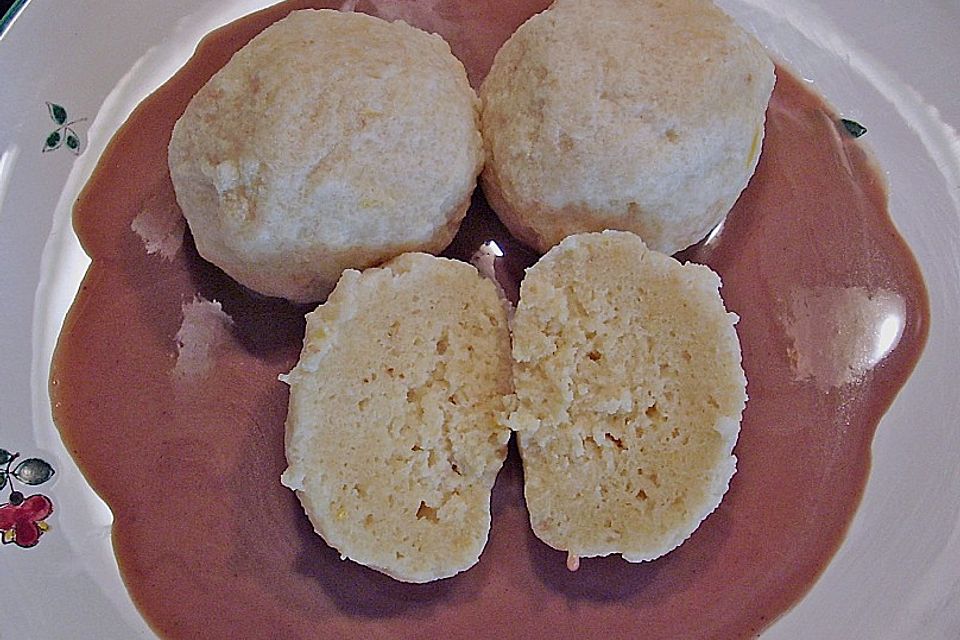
(337, 140)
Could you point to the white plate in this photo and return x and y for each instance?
(889, 65)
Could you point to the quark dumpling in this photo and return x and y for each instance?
(332, 140)
(638, 115)
(629, 393)
(394, 429)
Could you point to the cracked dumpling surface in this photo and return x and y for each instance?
(395, 433)
(629, 393)
(332, 140)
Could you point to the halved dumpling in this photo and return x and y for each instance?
(629, 393)
(395, 429)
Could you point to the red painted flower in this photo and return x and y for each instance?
(22, 519)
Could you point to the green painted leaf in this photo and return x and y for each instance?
(853, 127)
(57, 113)
(72, 140)
(5, 456)
(3, 479)
(53, 141)
(33, 471)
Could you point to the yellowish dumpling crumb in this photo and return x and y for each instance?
(394, 428)
(629, 393)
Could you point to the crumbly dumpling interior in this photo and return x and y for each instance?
(629, 393)
(332, 140)
(638, 115)
(395, 429)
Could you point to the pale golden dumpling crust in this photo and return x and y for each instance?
(638, 115)
(332, 140)
(395, 425)
(629, 393)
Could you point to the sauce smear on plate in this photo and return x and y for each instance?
(165, 390)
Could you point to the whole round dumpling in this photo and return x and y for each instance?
(636, 115)
(332, 140)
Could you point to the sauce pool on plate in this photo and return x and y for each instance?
(165, 390)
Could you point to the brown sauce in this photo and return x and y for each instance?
(833, 318)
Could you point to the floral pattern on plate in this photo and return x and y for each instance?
(65, 135)
(23, 519)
